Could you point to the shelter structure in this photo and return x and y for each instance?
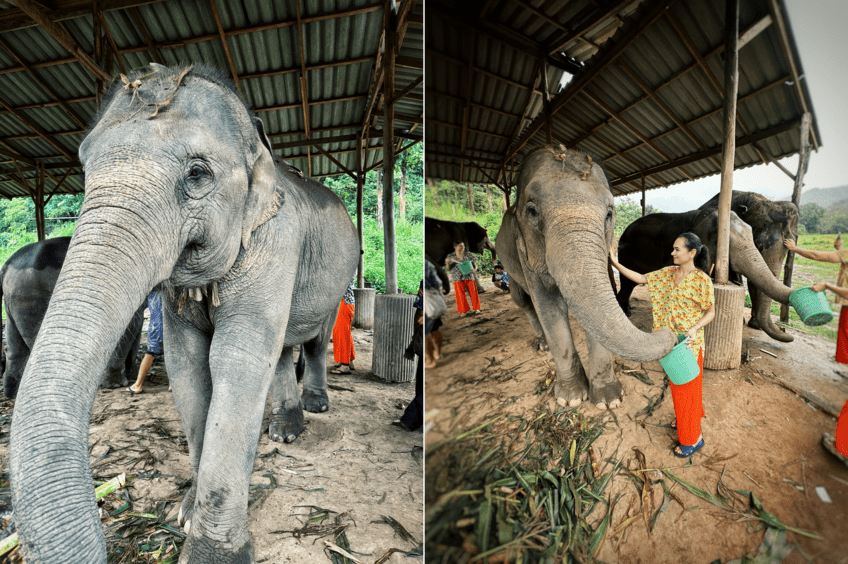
(661, 92)
(338, 83)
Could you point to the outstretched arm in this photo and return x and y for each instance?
(822, 286)
(631, 274)
(821, 256)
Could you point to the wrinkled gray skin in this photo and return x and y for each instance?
(645, 246)
(191, 199)
(26, 284)
(771, 223)
(554, 243)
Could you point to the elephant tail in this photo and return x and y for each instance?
(300, 366)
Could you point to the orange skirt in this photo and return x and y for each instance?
(842, 431)
(689, 406)
(342, 338)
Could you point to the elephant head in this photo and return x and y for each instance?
(178, 176)
(564, 222)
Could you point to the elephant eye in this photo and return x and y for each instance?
(532, 210)
(196, 171)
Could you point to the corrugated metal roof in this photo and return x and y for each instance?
(643, 101)
(341, 38)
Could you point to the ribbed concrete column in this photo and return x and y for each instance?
(393, 314)
(723, 337)
(363, 311)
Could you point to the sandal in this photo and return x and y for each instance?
(673, 425)
(339, 371)
(133, 392)
(829, 442)
(687, 450)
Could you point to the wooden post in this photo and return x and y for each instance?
(546, 101)
(388, 152)
(803, 161)
(643, 194)
(505, 199)
(731, 87)
(360, 180)
(98, 51)
(39, 201)
(470, 199)
(489, 198)
(724, 335)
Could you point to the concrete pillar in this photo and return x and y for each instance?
(393, 315)
(363, 312)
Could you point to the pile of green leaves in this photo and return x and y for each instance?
(518, 490)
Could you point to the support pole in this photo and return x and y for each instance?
(388, 152)
(803, 161)
(360, 180)
(723, 336)
(643, 194)
(39, 202)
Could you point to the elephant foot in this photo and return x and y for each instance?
(570, 396)
(752, 323)
(286, 424)
(607, 395)
(112, 382)
(315, 402)
(202, 550)
(540, 344)
(187, 509)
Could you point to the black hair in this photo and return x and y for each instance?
(455, 243)
(499, 266)
(702, 254)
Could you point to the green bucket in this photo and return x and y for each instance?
(680, 363)
(812, 307)
(466, 267)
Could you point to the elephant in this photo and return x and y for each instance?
(554, 242)
(182, 192)
(646, 245)
(27, 281)
(771, 223)
(439, 236)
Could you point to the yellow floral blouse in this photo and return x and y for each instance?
(842, 278)
(680, 307)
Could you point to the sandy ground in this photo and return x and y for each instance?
(764, 438)
(350, 460)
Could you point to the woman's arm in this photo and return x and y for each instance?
(822, 286)
(632, 275)
(821, 256)
(703, 322)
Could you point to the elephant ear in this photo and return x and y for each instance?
(261, 202)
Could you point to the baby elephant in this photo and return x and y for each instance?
(26, 284)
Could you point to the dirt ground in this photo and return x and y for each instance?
(350, 460)
(764, 438)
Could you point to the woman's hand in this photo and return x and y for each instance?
(790, 244)
(819, 287)
(692, 333)
(612, 257)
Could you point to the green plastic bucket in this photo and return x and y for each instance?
(680, 363)
(812, 307)
(466, 267)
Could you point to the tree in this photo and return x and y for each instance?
(811, 216)
(627, 211)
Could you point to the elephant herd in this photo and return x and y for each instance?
(184, 193)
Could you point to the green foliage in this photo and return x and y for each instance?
(811, 216)
(16, 229)
(627, 211)
(409, 238)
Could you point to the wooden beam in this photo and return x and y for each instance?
(578, 32)
(311, 103)
(24, 180)
(143, 30)
(15, 18)
(546, 102)
(455, 126)
(389, 242)
(58, 185)
(598, 64)
(226, 45)
(35, 127)
(409, 87)
(304, 89)
(62, 36)
(336, 162)
(401, 117)
(115, 51)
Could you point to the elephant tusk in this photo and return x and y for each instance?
(195, 294)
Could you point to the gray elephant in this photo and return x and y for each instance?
(771, 223)
(553, 242)
(182, 191)
(26, 284)
(646, 245)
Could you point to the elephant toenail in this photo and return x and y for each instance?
(561, 402)
(602, 406)
(575, 402)
(290, 438)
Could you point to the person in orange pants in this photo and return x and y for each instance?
(682, 300)
(837, 444)
(343, 352)
(461, 281)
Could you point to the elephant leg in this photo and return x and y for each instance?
(188, 370)
(604, 388)
(571, 387)
(314, 354)
(480, 288)
(756, 296)
(624, 294)
(522, 299)
(17, 358)
(286, 411)
(121, 362)
(242, 361)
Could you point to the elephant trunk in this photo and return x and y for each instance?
(105, 277)
(749, 262)
(579, 267)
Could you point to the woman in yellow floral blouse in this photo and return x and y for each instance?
(682, 300)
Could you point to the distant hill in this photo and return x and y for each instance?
(825, 197)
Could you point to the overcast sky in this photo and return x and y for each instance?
(820, 34)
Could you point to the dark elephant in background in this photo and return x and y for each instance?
(771, 223)
(646, 246)
(554, 243)
(439, 236)
(182, 191)
(26, 284)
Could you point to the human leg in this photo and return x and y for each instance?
(475, 299)
(842, 431)
(461, 302)
(143, 369)
(689, 407)
(842, 337)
